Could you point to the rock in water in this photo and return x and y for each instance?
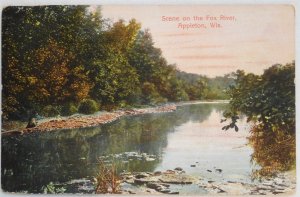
(155, 186)
(235, 188)
(173, 192)
(146, 180)
(177, 179)
(142, 175)
(178, 169)
(31, 123)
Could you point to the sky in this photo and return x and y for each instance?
(250, 37)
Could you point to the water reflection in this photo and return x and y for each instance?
(273, 152)
(201, 148)
(31, 161)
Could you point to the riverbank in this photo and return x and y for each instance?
(165, 183)
(177, 181)
(82, 121)
(101, 117)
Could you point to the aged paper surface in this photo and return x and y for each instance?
(183, 99)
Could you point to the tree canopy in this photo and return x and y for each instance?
(268, 99)
(61, 55)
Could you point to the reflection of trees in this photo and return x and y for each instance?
(273, 151)
(37, 159)
(196, 113)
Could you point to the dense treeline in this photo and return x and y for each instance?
(268, 100)
(207, 88)
(54, 57)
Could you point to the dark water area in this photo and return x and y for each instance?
(189, 136)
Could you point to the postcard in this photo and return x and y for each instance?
(194, 99)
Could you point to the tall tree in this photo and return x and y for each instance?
(115, 79)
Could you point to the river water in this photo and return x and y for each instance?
(190, 138)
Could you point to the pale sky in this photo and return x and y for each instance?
(257, 37)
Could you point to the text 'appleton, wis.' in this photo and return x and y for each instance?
(199, 22)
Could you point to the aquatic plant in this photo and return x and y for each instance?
(51, 189)
(107, 179)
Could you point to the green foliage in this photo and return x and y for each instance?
(268, 99)
(114, 79)
(201, 87)
(177, 91)
(88, 106)
(150, 94)
(53, 55)
(50, 111)
(41, 51)
(68, 109)
(218, 86)
(51, 189)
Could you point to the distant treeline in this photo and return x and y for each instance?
(54, 57)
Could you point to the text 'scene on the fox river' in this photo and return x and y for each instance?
(199, 22)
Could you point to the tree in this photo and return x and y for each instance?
(268, 101)
(29, 33)
(150, 65)
(61, 55)
(115, 79)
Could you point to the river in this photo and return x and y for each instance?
(190, 138)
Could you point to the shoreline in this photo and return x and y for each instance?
(76, 121)
(84, 121)
(283, 183)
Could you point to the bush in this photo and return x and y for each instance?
(50, 111)
(88, 106)
(68, 109)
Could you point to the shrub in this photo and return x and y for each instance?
(88, 106)
(68, 109)
(50, 111)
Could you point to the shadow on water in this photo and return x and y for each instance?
(32, 161)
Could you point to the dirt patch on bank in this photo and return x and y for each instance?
(82, 121)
